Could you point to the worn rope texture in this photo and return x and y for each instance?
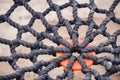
(38, 48)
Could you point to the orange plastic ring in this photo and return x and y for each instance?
(76, 65)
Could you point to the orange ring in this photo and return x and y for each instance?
(76, 65)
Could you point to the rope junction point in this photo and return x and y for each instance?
(76, 65)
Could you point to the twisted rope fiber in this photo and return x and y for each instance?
(39, 48)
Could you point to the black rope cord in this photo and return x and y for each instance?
(39, 48)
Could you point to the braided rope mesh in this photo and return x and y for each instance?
(37, 48)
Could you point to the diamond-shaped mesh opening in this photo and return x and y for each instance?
(5, 68)
(49, 42)
(38, 26)
(37, 7)
(103, 5)
(99, 39)
(101, 69)
(6, 5)
(62, 31)
(24, 63)
(4, 50)
(52, 19)
(7, 31)
(98, 18)
(79, 77)
(82, 31)
(30, 75)
(22, 17)
(83, 13)
(22, 49)
(28, 37)
(67, 13)
(55, 72)
(112, 27)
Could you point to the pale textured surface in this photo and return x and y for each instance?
(22, 16)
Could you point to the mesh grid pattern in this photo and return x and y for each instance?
(39, 48)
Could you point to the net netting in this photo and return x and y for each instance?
(42, 68)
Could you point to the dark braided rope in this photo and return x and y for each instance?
(51, 50)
